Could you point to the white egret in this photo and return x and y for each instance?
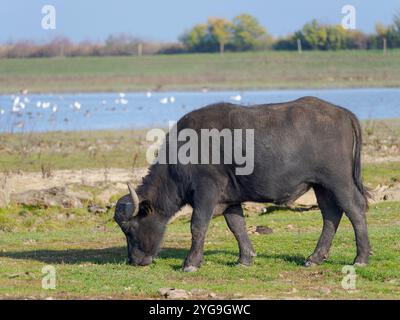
(164, 101)
(237, 98)
(77, 105)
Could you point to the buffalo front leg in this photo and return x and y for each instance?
(198, 226)
(235, 219)
(331, 215)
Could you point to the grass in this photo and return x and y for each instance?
(89, 258)
(72, 150)
(88, 250)
(251, 70)
(33, 151)
(383, 173)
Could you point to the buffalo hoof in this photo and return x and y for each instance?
(360, 262)
(315, 260)
(309, 264)
(190, 269)
(245, 262)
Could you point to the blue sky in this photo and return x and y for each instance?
(165, 20)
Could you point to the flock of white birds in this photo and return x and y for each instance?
(20, 104)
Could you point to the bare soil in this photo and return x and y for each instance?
(111, 182)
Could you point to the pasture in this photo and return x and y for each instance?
(89, 254)
(88, 250)
(234, 71)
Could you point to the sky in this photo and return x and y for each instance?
(166, 20)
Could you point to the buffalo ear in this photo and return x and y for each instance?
(146, 208)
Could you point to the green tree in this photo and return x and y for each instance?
(248, 34)
(390, 33)
(196, 39)
(314, 35)
(336, 37)
(220, 31)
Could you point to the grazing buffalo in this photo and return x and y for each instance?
(298, 145)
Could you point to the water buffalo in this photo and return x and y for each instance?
(298, 145)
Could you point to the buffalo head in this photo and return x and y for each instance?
(142, 227)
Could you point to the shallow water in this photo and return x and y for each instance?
(95, 111)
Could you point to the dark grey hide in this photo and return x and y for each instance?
(302, 144)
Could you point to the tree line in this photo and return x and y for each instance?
(242, 33)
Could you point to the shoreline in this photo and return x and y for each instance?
(209, 90)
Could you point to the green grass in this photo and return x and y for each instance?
(251, 70)
(126, 149)
(89, 258)
(383, 173)
(88, 251)
(72, 150)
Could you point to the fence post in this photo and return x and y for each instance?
(384, 46)
(299, 48)
(140, 49)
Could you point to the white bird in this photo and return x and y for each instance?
(20, 124)
(237, 98)
(122, 95)
(172, 99)
(123, 101)
(148, 94)
(16, 109)
(77, 105)
(104, 102)
(55, 108)
(16, 101)
(45, 105)
(39, 104)
(26, 100)
(164, 101)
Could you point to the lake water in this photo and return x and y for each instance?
(94, 111)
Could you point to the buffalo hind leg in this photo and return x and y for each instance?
(331, 215)
(235, 219)
(354, 205)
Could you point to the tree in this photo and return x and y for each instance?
(390, 33)
(313, 35)
(243, 33)
(220, 32)
(196, 39)
(122, 44)
(336, 37)
(248, 34)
